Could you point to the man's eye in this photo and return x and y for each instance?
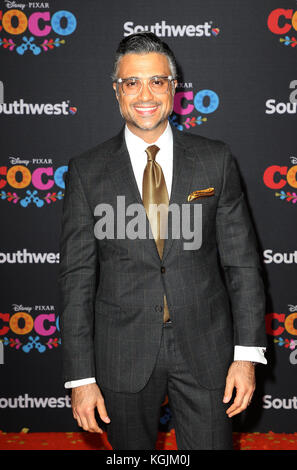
(131, 84)
(158, 82)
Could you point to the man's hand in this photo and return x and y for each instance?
(84, 400)
(241, 375)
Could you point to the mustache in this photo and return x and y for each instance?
(146, 104)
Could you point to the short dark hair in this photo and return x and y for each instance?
(143, 43)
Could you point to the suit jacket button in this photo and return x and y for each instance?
(158, 308)
(163, 269)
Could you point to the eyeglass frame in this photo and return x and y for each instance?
(170, 79)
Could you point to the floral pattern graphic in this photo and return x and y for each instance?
(33, 343)
(289, 344)
(287, 196)
(188, 123)
(32, 197)
(7, 44)
(286, 41)
(28, 44)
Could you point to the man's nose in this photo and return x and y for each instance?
(145, 93)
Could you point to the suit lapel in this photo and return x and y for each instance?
(121, 171)
(123, 178)
(122, 174)
(183, 170)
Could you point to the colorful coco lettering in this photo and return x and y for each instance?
(39, 24)
(277, 323)
(276, 176)
(19, 177)
(22, 323)
(281, 20)
(182, 105)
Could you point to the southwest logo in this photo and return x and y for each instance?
(215, 31)
(21, 108)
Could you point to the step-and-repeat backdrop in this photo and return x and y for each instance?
(238, 84)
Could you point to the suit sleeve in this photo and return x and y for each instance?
(78, 271)
(238, 252)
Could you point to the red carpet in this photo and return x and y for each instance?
(166, 441)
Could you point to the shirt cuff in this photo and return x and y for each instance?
(250, 353)
(78, 383)
(241, 353)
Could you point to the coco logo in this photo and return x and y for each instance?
(26, 330)
(277, 177)
(204, 102)
(279, 325)
(37, 26)
(282, 21)
(41, 181)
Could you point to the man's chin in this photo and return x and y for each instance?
(148, 126)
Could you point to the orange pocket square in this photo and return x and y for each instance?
(201, 193)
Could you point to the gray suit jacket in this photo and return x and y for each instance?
(112, 289)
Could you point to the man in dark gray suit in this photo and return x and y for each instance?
(146, 317)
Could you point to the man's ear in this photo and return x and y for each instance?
(114, 85)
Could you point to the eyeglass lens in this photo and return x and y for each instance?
(132, 86)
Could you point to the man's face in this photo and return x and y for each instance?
(146, 111)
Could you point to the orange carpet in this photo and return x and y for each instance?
(166, 441)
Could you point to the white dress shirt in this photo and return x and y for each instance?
(136, 148)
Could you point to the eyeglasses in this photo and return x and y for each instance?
(134, 85)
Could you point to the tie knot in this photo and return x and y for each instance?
(151, 152)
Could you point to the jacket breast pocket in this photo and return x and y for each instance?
(204, 200)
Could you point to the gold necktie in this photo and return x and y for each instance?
(154, 191)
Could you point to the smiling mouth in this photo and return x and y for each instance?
(145, 110)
